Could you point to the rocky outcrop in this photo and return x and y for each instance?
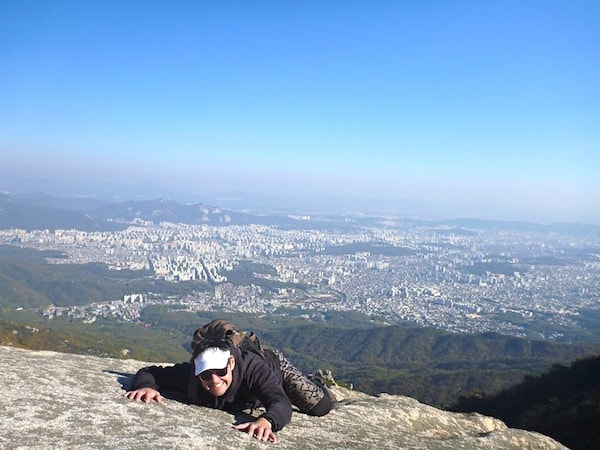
(57, 400)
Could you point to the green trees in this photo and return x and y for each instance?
(430, 365)
(563, 403)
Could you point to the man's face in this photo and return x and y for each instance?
(216, 383)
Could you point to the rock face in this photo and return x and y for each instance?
(56, 400)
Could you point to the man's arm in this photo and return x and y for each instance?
(266, 385)
(150, 380)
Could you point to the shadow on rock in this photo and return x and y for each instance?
(124, 379)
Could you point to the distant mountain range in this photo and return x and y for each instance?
(42, 211)
(89, 194)
(264, 204)
(31, 215)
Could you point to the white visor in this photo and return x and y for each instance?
(212, 358)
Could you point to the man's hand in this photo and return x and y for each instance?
(260, 429)
(146, 394)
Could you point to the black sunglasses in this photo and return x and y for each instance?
(207, 374)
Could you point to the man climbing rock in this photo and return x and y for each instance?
(232, 372)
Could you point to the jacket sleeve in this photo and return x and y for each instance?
(172, 378)
(266, 385)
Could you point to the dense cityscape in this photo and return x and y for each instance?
(458, 279)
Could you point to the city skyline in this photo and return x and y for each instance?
(485, 110)
(538, 283)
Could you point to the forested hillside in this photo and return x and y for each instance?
(104, 338)
(430, 365)
(563, 403)
(433, 366)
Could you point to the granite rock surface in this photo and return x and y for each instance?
(57, 400)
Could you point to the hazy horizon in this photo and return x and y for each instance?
(269, 202)
(474, 109)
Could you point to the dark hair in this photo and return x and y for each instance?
(200, 345)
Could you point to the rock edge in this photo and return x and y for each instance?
(58, 400)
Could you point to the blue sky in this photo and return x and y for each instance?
(484, 108)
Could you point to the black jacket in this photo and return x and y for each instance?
(255, 383)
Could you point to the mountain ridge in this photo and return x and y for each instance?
(42, 211)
